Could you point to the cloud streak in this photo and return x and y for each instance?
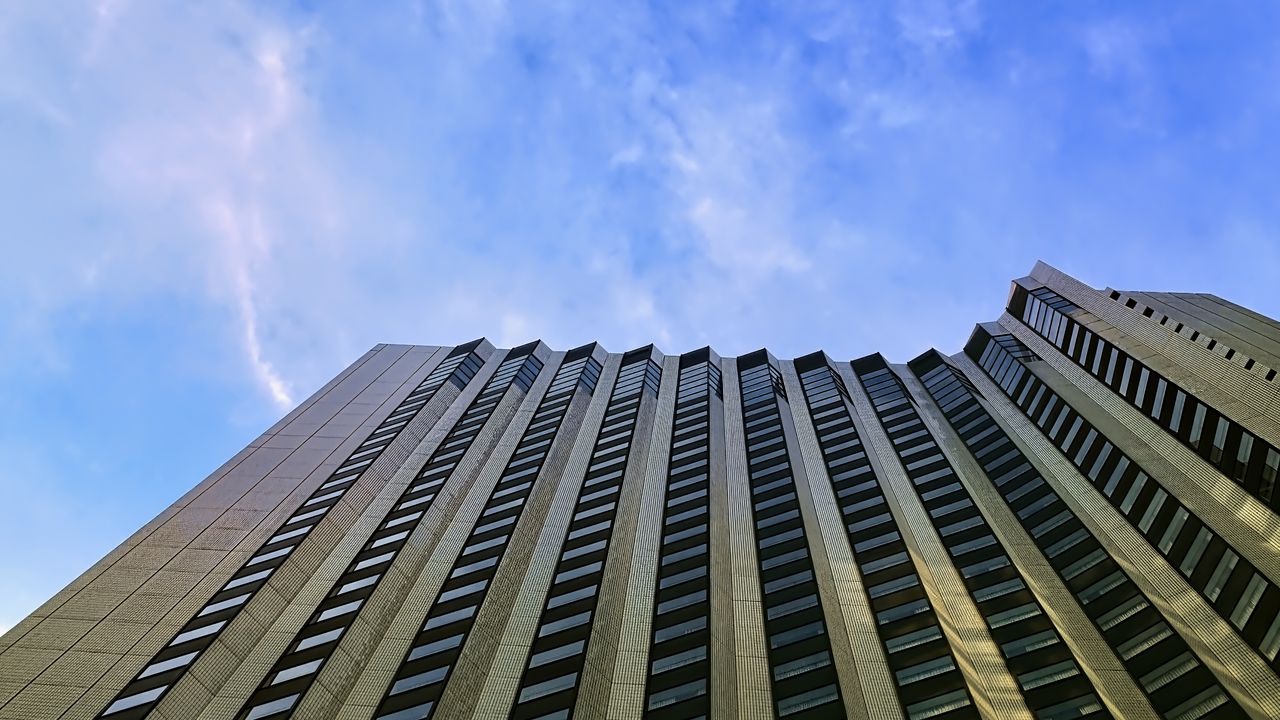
(226, 202)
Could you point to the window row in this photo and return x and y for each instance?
(1211, 344)
(422, 675)
(928, 682)
(679, 675)
(549, 684)
(1032, 649)
(1240, 455)
(803, 677)
(293, 672)
(1127, 621)
(1232, 585)
(145, 691)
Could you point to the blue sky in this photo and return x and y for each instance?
(208, 209)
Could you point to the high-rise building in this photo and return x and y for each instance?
(1075, 516)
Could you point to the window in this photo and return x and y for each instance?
(1179, 401)
(554, 685)
(678, 602)
(1024, 645)
(1197, 425)
(680, 629)
(1196, 551)
(970, 545)
(1149, 517)
(1048, 525)
(450, 617)
(1248, 601)
(156, 668)
(803, 665)
(1033, 507)
(1171, 533)
(892, 586)
(924, 670)
(1078, 707)
(1219, 441)
(887, 561)
(1134, 490)
(983, 566)
(1012, 615)
(913, 639)
(554, 626)
(1242, 457)
(805, 700)
(435, 647)
(680, 659)
(1122, 612)
(297, 671)
(1143, 641)
(556, 601)
(1101, 587)
(1066, 543)
(1101, 461)
(679, 693)
(907, 609)
(939, 705)
(1221, 572)
(1168, 672)
(1048, 674)
(429, 677)
(321, 639)
(686, 576)
(1269, 472)
(787, 637)
(1199, 705)
(783, 582)
(274, 706)
(1114, 480)
(1158, 404)
(997, 590)
(1271, 640)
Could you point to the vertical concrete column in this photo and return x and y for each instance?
(800, 450)
(443, 537)
(1241, 519)
(865, 677)
(1246, 398)
(755, 696)
(113, 619)
(369, 505)
(596, 684)
(480, 653)
(724, 665)
(492, 446)
(995, 692)
(631, 663)
(1097, 660)
(498, 691)
(1240, 670)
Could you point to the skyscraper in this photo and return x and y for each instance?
(1075, 516)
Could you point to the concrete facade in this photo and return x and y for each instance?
(1075, 516)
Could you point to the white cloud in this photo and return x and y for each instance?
(937, 25)
(735, 172)
(302, 182)
(1116, 47)
(212, 132)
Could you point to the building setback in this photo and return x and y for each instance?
(1075, 516)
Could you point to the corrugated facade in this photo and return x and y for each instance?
(1075, 516)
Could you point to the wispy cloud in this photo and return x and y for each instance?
(233, 200)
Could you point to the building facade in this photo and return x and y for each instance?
(1075, 516)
